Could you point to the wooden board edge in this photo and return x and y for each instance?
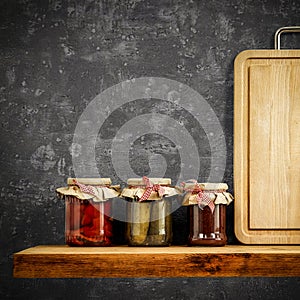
(251, 237)
(240, 159)
(266, 53)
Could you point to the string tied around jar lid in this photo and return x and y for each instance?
(85, 188)
(97, 189)
(151, 187)
(203, 196)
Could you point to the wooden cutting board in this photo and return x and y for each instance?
(267, 146)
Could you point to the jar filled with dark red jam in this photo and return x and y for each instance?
(207, 213)
(88, 206)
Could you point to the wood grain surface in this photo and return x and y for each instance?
(267, 147)
(176, 261)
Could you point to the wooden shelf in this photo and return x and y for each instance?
(175, 261)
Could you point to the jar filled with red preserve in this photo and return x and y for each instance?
(207, 213)
(88, 207)
(149, 221)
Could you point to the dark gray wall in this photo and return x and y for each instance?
(56, 56)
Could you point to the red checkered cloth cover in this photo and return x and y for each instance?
(86, 188)
(149, 188)
(203, 199)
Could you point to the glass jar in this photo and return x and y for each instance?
(207, 228)
(207, 213)
(88, 210)
(149, 221)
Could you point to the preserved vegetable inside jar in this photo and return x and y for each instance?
(207, 227)
(88, 220)
(149, 223)
(207, 213)
(149, 220)
(88, 223)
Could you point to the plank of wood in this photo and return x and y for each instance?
(267, 147)
(175, 261)
(274, 145)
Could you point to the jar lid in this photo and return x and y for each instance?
(90, 181)
(140, 181)
(97, 189)
(206, 194)
(206, 186)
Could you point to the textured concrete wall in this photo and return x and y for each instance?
(56, 57)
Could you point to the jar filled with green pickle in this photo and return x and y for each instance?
(149, 220)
